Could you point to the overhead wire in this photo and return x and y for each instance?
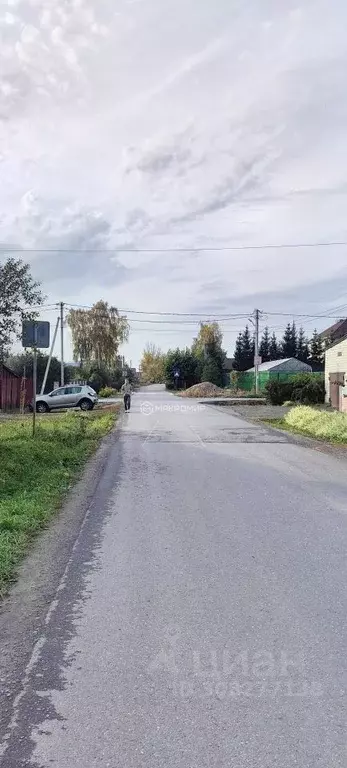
(180, 249)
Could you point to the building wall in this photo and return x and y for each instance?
(335, 362)
(10, 390)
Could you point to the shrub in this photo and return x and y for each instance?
(107, 392)
(324, 425)
(277, 392)
(306, 388)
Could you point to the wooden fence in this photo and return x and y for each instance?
(15, 391)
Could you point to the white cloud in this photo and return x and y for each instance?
(151, 124)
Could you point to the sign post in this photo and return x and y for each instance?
(176, 377)
(35, 334)
(34, 388)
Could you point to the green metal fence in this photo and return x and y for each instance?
(246, 380)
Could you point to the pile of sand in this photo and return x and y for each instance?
(205, 389)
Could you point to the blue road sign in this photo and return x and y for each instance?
(35, 333)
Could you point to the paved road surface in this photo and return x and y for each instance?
(201, 620)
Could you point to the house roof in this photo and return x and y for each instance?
(273, 364)
(334, 329)
(338, 341)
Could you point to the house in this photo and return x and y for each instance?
(334, 333)
(336, 374)
(14, 390)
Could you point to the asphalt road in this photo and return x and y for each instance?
(201, 618)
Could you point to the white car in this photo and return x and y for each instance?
(71, 396)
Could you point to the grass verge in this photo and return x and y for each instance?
(327, 426)
(36, 473)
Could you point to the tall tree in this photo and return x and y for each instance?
(97, 333)
(238, 354)
(152, 365)
(248, 348)
(264, 348)
(274, 349)
(210, 338)
(289, 342)
(188, 365)
(316, 356)
(302, 350)
(207, 347)
(19, 292)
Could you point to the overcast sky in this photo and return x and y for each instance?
(177, 123)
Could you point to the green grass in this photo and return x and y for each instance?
(36, 473)
(329, 426)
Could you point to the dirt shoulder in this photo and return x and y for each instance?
(265, 414)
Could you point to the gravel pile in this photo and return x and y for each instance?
(205, 389)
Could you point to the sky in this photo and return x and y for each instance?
(132, 127)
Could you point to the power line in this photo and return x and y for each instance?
(222, 317)
(295, 315)
(192, 249)
(199, 317)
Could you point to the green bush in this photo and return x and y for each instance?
(306, 388)
(323, 425)
(277, 392)
(107, 392)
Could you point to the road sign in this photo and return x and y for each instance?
(257, 360)
(35, 333)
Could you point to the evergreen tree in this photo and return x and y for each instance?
(248, 348)
(207, 348)
(316, 349)
(264, 349)
(274, 350)
(212, 373)
(238, 354)
(289, 341)
(302, 350)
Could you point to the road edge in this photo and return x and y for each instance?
(331, 449)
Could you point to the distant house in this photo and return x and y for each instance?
(12, 388)
(334, 333)
(336, 374)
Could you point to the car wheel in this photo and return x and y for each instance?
(86, 405)
(42, 408)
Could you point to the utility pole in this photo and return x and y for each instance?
(50, 357)
(62, 374)
(34, 378)
(256, 349)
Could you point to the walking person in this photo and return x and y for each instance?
(126, 389)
